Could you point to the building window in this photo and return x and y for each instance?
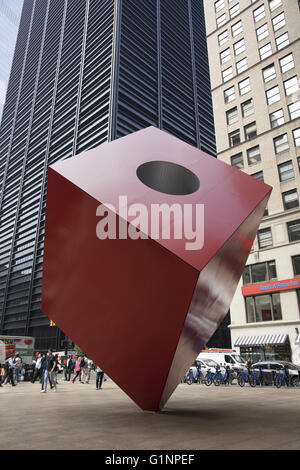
(264, 307)
(277, 118)
(227, 74)
(219, 5)
(237, 161)
(247, 108)
(244, 86)
(294, 230)
(286, 171)
(229, 94)
(223, 38)
(241, 65)
(290, 199)
(296, 265)
(265, 51)
(291, 85)
(273, 4)
(282, 41)
(233, 11)
(253, 155)
(225, 56)
(273, 95)
(221, 20)
(269, 73)
(287, 63)
(259, 272)
(262, 32)
(232, 116)
(281, 143)
(234, 138)
(239, 47)
(264, 237)
(250, 131)
(278, 21)
(259, 13)
(259, 175)
(294, 110)
(296, 135)
(237, 28)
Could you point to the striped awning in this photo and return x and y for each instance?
(261, 340)
(297, 339)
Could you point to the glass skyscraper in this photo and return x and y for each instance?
(85, 72)
(10, 13)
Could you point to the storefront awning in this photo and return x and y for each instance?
(297, 339)
(262, 340)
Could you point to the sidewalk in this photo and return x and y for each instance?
(196, 417)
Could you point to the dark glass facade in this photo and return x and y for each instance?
(85, 72)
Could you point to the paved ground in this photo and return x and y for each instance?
(196, 417)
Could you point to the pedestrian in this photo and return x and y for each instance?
(56, 369)
(77, 369)
(17, 368)
(90, 367)
(99, 377)
(248, 363)
(84, 370)
(70, 366)
(37, 370)
(11, 367)
(50, 372)
(43, 370)
(2, 374)
(6, 371)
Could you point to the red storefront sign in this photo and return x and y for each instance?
(271, 286)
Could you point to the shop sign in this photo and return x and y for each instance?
(273, 286)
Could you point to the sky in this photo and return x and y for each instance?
(10, 13)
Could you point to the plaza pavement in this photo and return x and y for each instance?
(196, 417)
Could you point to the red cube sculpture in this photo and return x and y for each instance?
(143, 308)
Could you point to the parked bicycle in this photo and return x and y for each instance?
(209, 378)
(282, 377)
(247, 377)
(219, 378)
(258, 377)
(191, 378)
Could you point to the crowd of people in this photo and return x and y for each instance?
(45, 370)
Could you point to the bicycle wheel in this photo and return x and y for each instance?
(252, 381)
(208, 381)
(241, 381)
(278, 382)
(217, 381)
(189, 381)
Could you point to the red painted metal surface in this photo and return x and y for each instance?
(143, 309)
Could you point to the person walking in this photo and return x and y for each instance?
(70, 366)
(84, 370)
(17, 368)
(38, 369)
(6, 372)
(11, 367)
(99, 377)
(2, 374)
(43, 370)
(50, 372)
(90, 367)
(77, 370)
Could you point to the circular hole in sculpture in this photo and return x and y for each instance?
(168, 178)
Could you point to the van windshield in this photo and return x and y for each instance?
(238, 358)
(210, 362)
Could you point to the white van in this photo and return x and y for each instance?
(224, 357)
